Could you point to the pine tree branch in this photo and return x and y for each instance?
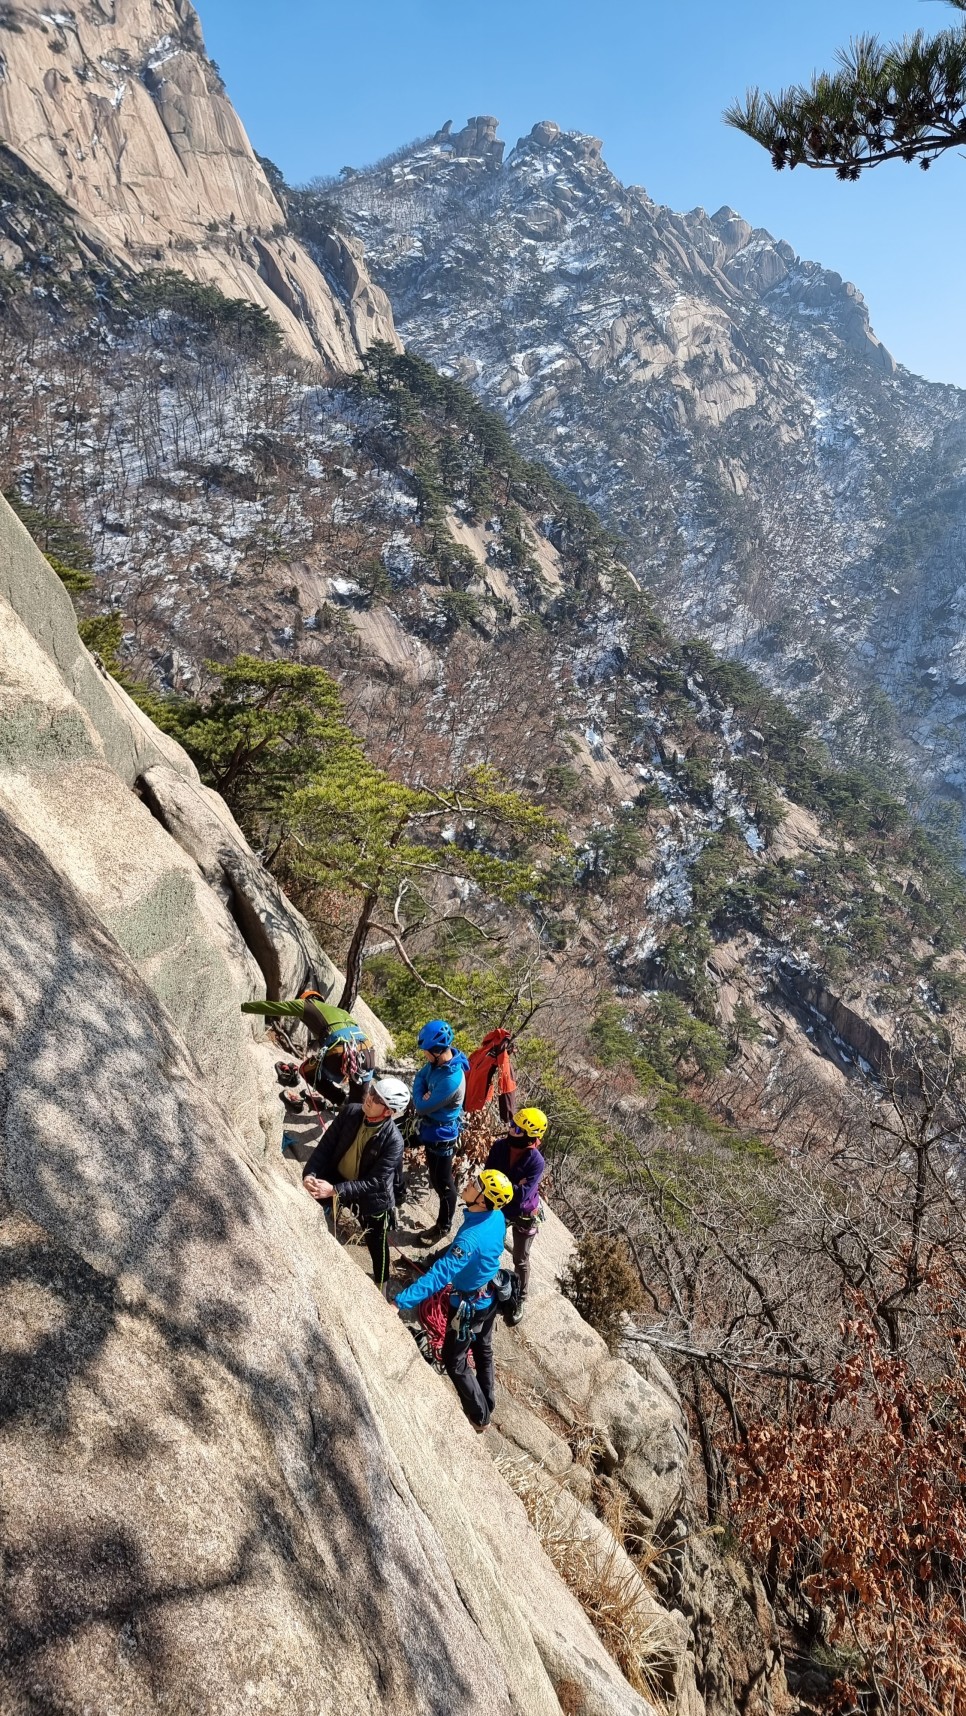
(905, 101)
(437, 988)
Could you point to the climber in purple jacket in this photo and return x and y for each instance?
(516, 1155)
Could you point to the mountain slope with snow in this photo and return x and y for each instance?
(786, 489)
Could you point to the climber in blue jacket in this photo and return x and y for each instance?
(438, 1091)
(467, 1268)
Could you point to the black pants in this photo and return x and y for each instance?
(524, 1233)
(375, 1233)
(475, 1389)
(330, 1080)
(443, 1182)
(336, 1093)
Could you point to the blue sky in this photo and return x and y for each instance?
(320, 85)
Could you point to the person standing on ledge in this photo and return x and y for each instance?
(467, 1269)
(438, 1091)
(358, 1159)
(517, 1156)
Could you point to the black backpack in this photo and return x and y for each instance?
(506, 1290)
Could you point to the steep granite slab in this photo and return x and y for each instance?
(232, 1482)
(207, 932)
(119, 109)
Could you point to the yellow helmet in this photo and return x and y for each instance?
(532, 1121)
(497, 1189)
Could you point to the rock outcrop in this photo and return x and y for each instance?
(477, 139)
(232, 1482)
(118, 109)
(203, 922)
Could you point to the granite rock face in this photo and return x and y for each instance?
(117, 107)
(231, 1482)
(229, 1479)
(180, 889)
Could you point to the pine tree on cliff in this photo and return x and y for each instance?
(274, 740)
(904, 101)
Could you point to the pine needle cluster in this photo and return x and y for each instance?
(903, 101)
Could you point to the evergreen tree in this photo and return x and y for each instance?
(369, 834)
(274, 741)
(261, 736)
(903, 101)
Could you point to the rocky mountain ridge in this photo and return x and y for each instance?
(117, 108)
(781, 485)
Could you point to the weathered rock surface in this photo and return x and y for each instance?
(118, 108)
(282, 942)
(202, 920)
(230, 1481)
(54, 701)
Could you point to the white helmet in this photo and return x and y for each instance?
(392, 1093)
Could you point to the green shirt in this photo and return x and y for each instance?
(348, 1166)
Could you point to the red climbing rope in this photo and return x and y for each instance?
(434, 1316)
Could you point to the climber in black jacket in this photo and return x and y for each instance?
(358, 1159)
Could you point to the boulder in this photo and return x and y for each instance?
(478, 139)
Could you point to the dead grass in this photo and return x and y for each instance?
(606, 1589)
(626, 1522)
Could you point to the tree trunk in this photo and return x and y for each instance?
(353, 959)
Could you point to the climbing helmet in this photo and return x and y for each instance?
(497, 1189)
(532, 1121)
(392, 1093)
(435, 1036)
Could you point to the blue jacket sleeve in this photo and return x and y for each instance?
(420, 1087)
(442, 1087)
(439, 1276)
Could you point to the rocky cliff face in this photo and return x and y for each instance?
(116, 106)
(232, 1480)
(788, 491)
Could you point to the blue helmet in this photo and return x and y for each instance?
(436, 1035)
